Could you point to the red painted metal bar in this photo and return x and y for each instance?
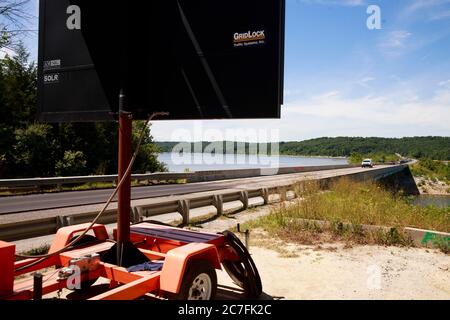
(49, 262)
(24, 290)
(131, 290)
(124, 194)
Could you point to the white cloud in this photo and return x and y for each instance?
(440, 15)
(395, 39)
(394, 43)
(364, 82)
(291, 92)
(395, 114)
(327, 95)
(395, 109)
(445, 83)
(430, 10)
(417, 5)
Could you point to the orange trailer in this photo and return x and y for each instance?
(184, 263)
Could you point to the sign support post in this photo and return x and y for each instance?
(124, 194)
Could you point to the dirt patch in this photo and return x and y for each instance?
(334, 271)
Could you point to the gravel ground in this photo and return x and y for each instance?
(361, 272)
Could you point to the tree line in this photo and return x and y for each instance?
(437, 148)
(32, 149)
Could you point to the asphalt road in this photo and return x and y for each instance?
(9, 205)
(76, 198)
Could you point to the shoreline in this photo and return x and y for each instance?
(274, 155)
(430, 187)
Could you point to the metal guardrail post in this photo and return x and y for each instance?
(282, 192)
(183, 209)
(64, 221)
(265, 195)
(135, 215)
(218, 203)
(60, 222)
(291, 190)
(246, 236)
(69, 220)
(244, 198)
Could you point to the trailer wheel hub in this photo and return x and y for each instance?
(201, 288)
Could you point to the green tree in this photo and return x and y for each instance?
(18, 90)
(355, 158)
(34, 151)
(4, 37)
(17, 105)
(72, 164)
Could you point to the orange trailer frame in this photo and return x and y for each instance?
(175, 249)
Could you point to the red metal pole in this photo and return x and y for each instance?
(124, 194)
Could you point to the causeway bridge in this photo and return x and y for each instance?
(204, 193)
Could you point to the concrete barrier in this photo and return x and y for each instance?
(428, 238)
(213, 175)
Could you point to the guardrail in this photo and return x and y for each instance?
(181, 204)
(32, 182)
(198, 176)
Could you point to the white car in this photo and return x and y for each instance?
(367, 163)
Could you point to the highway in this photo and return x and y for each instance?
(16, 204)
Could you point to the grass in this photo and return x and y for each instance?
(348, 205)
(442, 244)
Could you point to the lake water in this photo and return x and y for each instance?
(427, 200)
(199, 162)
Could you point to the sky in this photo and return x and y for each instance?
(342, 79)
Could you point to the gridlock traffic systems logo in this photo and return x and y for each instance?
(249, 38)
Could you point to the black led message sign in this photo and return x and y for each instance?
(196, 59)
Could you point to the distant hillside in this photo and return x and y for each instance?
(437, 148)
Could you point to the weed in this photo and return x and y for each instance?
(442, 244)
(43, 249)
(349, 205)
